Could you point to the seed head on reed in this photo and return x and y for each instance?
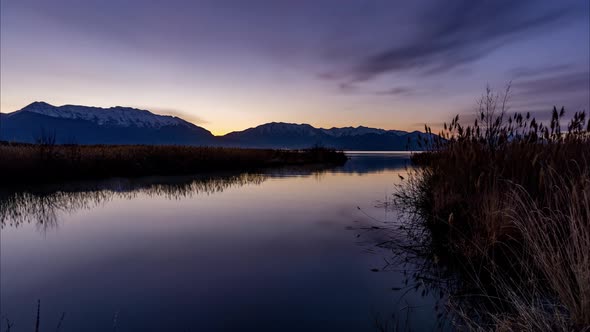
(508, 196)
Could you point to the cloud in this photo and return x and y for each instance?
(527, 71)
(577, 82)
(455, 33)
(398, 91)
(195, 119)
(348, 87)
(539, 89)
(539, 94)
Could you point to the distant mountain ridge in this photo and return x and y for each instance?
(113, 116)
(295, 136)
(124, 125)
(360, 130)
(94, 125)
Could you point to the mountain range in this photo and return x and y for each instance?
(72, 124)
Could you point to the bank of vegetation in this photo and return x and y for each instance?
(507, 200)
(47, 162)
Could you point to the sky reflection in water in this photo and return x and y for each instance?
(274, 251)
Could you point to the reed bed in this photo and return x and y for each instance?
(46, 162)
(508, 198)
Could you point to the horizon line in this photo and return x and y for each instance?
(201, 126)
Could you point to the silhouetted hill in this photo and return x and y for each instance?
(93, 125)
(290, 135)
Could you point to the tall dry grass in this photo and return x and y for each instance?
(509, 198)
(549, 290)
(557, 237)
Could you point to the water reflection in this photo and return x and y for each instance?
(365, 163)
(258, 252)
(43, 205)
(407, 251)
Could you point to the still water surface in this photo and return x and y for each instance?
(285, 250)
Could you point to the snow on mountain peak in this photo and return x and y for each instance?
(358, 131)
(282, 128)
(113, 116)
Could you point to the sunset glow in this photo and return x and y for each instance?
(231, 65)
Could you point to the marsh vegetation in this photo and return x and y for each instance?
(506, 201)
(47, 162)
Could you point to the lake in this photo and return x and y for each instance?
(280, 250)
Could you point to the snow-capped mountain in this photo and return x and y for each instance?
(280, 129)
(71, 124)
(292, 135)
(294, 129)
(113, 116)
(93, 125)
(360, 130)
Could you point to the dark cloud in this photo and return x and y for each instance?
(527, 71)
(454, 33)
(398, 91)
(351, 87)
(563, 84)
(348, 87)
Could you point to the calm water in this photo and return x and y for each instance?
(281, 251)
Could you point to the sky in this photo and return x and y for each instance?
(231, 65)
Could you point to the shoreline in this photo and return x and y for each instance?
(30, 164)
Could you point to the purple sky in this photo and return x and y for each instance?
(229, 65)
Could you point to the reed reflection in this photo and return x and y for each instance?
(43, 206)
